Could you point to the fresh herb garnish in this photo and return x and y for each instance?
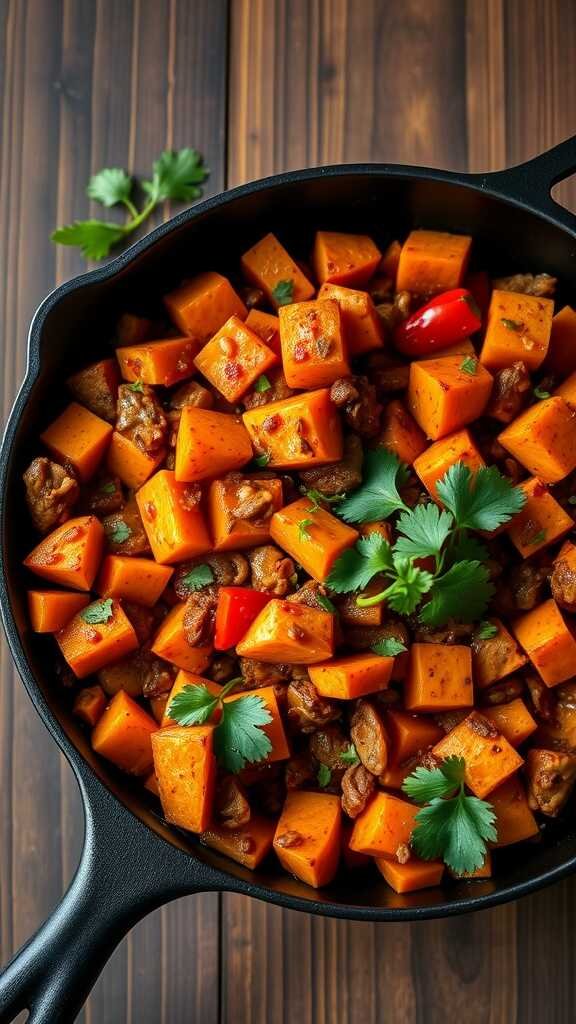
(317, 498)
(107, 488)
(377, 497)
(283, 292)
(461, 593)
(484, 500)
(349, 756)
(453, 826)
(538, 538)
(262, 460)
(356, 566)
(512, 325)
(303, 531)
(485, 631)
(324, 776)
(389, 647)
(137, 385)
(119, 532)
(424, 531)
(539, 393)
(98, 613)
(176, 175)
(198, 577)
(469, 365)
(262, 384)
(325, 603)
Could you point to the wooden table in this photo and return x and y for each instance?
(260, 86)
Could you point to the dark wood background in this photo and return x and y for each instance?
(260, 86)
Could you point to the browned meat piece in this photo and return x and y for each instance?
(191, 393)
(251, 296)
(369, 737)
(299, 771)
(542, 285)
(502, 693)
(393, 313)
(103, 496)
(551, 776)
(269, 796)
(356, 396)
(144, 620)
(544, 700)
(272, 571)
(229, 570)
(308, 594)
(452, 633)
(262, 673)
(50, 493)
(141, 418)
(125, 674)
(96, 387)
(254, 501)
(363, 638)
(157, 676)
(357, 787)
(381, 289)
(391, 378)
(124, 531)
(327, 744)
(199, 616)
(563, 585)
(231, 807)
(522, 589)
(278, 390)
(307, 710)
(510, 392)
(341, 476)
(448, 720)
(223, 668)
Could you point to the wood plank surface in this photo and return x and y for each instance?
(260, 86)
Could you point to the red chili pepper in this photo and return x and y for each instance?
(442, 322)
(237, 608)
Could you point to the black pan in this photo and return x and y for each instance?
(131, 861)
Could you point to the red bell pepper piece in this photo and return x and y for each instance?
(442, 322)
(236, 610)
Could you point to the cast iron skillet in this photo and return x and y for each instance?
(132, 862)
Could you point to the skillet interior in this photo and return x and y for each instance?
(74, 326)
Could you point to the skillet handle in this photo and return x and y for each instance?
(532, 181)
(125, 872)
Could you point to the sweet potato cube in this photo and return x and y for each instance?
(273, 729)
(410, 735)
(71, 554)
(567, 391)
(513, 720)
(162, 362)
(151, 784)
(400, 433)
(514, 819)
(312, 340)
(267, 264)
(234, 358)
(389, 263)
(490, 758)
(436, 460)
(442, 397)
(317, 819)
(297, 432)
(385, 824)
(226, 500)
(314, 539)
(199, 307)
(171, 644)
(549, 642)
(96, 387)
(439, 678)
(345, 259)
(288, 632)
(432, 262)
(88, 647)
(89, 705)
(209, 443)
(188, 679)
(415, 874)
(362, 327)
(185, 768)
(495, 657)
(267, 327)
(518, 327)
(561, 357)
(139, 580)
(542, 439)
(123, 735)
(248, 845)
(174, 526)
(352, 676)
(79, 437)
(541, 522)
(127, 461)
(51, 610)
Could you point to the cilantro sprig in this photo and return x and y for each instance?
(176, 175)
(198, 577)
(453, 825)
(378, 496)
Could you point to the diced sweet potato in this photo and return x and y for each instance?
(312, 340)
(561, 357)
(297, 432)
(345, 259)
(567, 391)
(71, 554)
(443, 397)
(123, 735)
(267, 264)
(432, 262)
(414, 874)
(174, 525)
(314, 539)
(439, 678)
(87, 646)
(495, 657)
(234, 358)
(514, 819)
(96, 387)
(151, 784)
(89, 705)
(228, 498)
(513, 720)
(542, 439)
(410, 735)
(549, 642)
(162, 362)
(390, 260)
(541, 522)
(490, 758)
(50, 610)
(185, 768)
(79, 437)
(518, 327)
(288, 632)
(308, 836)
(273, 729)
(248, 845)
(128, 462)
(361, 324)
(199, 307)
(436, 460)
(351, 676)
(210, 443)
(400, 433)
(385, 825)
(139, 580)
(171, 644)
(267, 327)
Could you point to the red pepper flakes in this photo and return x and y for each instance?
(233, 371)
(150, 510)
(272, 423)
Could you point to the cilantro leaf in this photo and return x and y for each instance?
(94, 238)
(377, 497)
(260, 461)
(512, 325)
(198, 577)
(424, 530)
(262, 384)
(481, 502)
(465, 548)
(324, 776)
(192, 705)
(136, 385)
(411, 583)
(239, 737)
(177, 175)
(356, 566)
(485, 631)
(325, 603)
(110, 186)
(118, 532)
(455, 830)
(389, 647)
(283, 292)
(303, 531)
(469, 365)
(108, 488)
(318, 499)
(349, 756)
(98, 612)
(423, 784)
(461, 593)
(540, 393)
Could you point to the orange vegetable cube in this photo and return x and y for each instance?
(185, 767)
(158, 706)
(490, 758)
(400, 433)
(134, 579)
(435, 462)
(210, 443)
(362, 327)
(345, 259)
(549, 642)
(541, 522)
(248, 845)
(432, 262)
(415, 874)
(71, 554)
(518, 327)
(124, 735)
(297, 432)
(230, 532)
(234, 358)
(439, 678)
(50, 610)
(162, 362)
(496, 657)
(273, 729)
(87, 646)
(385, 824)
(89, 705)
(513, 720)
(442, 397)
(171, 644)
(352, 676)
(127, 461)
(315, 545)
(78, 437)
(312, 340)
(390, 260)
(267, 264)
(317, 818)
(175, 528)
(267, 327)
(567, 391)
(199, 307)
(561, 357)
(187, 679)
(96, 387)
(410, 735)
(288, 632)
(542, 439)
(514, 819)
(151, 784)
